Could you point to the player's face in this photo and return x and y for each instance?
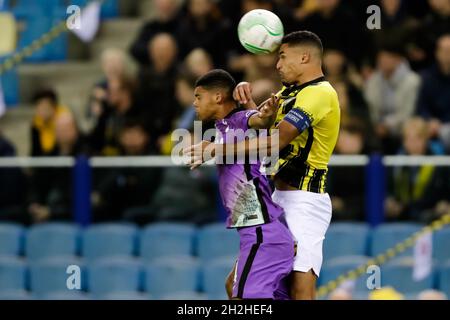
(204, 104)
(289, 63)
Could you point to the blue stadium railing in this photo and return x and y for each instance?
(375, 175)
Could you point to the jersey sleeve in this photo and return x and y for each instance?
(245, 118)
(310, 107)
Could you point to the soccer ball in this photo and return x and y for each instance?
(260, 31)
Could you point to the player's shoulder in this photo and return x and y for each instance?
(244, 113)
(322, 88)
(239, 117)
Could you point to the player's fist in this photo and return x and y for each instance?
(269, 108)
(198, 153)
(243, 94)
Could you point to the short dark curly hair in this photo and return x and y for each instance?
(217, 79)
(303, 38)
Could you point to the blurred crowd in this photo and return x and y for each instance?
(393, 85)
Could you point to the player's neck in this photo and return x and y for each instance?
(225, 110)
(310, 76)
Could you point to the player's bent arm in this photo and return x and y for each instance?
(285, 133)
(275, 142)
(258, 122)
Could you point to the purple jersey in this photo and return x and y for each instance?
(245, 191)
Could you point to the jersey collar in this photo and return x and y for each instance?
(297, 87)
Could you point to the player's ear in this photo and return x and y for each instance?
(218, 97)
(305, 57)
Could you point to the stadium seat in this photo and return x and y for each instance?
(45, 5)
(110, 239)
(386, 236)
(399, 275)
(35, 23)
(11, 239)
(336, 267)
(218, 296)
(171, 274)
(110, 9)
(185, 296)
(346, 239)
(51, 239)
(12, 274)
(10, 85)
(113, 275)
(166, 239)
(441, 245)
(8, 39)
(64, 295)
(33, 27)
(215, 240)
(15, 295)
(124, 295)
(444, 278)
(4, 5)
(50, 275)
(214, 274)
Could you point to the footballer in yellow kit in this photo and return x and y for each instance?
(313, 106)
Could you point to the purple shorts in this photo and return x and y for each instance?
(265, 259)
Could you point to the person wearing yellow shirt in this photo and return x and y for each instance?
(47, 110)
(306, 114)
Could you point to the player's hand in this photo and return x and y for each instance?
(269, 108)
(196, 154)
(243, 94)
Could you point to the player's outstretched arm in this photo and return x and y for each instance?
(201, 152)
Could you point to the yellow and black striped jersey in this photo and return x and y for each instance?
(314, 109)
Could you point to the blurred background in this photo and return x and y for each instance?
(79, 109)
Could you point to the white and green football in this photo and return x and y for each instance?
(260, 31)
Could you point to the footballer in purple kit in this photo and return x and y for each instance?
(267, 247)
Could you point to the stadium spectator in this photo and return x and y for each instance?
(13, 186)
(124, 188)
(436, 24)
(431, 294)
(385, 293)
(397, 27)
(69, 141)
(156, 92)
(167, 19)
(352, 103)
(414, 191)
(340, 294)
(113, 62)
(47, 110)
(434, 95)
(185, 84)
(348, 202)
(202, 27)
(182, 195)
(118, 106)
(331, 22)
(337, 68)
(391, 93)
(198, 62)
(50, 196)
(51, 188)
(263, 88)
